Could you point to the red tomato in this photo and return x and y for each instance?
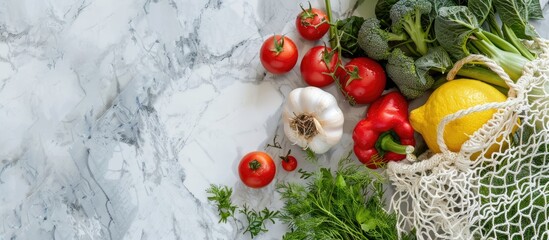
(289, 163)
(278, 54)
(363, 81)
(256, 169)
(312, 23)
(317, 63)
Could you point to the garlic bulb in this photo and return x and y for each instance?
(312, 119)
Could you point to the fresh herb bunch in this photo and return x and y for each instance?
(221, 195)
(256, 220)
(344, 205)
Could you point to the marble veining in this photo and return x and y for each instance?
(115, 116)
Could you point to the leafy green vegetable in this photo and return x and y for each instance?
(344, 205)
(221, 195)
(480, 8)
(458, 32)
(382, 10)
(453, 26)
(348, 29)
(437, 59)
(516, 14)
(256, 220)
(522, 185)
(534, 9)
(437, 4)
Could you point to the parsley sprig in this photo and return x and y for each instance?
(256, 220)
(221, 195)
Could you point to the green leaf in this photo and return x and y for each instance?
(437, 4)
(340, 181)
(383, 8)
(363, 215)
(369, 225)
(348, 30)
(453, 26)
(436, 59)
(516, 15)
(535, 10)
(480, 8)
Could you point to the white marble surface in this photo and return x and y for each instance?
(115, 116)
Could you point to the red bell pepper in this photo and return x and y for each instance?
(374, 136)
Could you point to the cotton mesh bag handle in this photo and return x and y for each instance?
(502, 196)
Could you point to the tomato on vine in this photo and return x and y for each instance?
(317, 65)
(289, 162)
(312, 23)
(278, 54)
(256, 169)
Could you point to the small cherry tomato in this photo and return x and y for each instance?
(312, 23)
(289, 163)
(278, 54)
(256, 169)
(363, 80)
(317, 64)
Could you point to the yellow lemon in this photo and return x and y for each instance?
(447, 99)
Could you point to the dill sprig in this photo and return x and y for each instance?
(221, 195)
(256, 220)
(310, 155)
(344, 205)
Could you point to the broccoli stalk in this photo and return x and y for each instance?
(406, 15)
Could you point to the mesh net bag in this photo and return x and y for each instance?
(468, 195)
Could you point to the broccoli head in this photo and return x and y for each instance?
(376, 41)
(406, 15)
(402, 70)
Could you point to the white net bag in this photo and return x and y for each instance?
(502, 196)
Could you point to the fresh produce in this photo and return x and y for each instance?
(422, 39)
(256, 169)
(344, 205)
(386, 122)
(221, 195)
(312, 23)
(312, 119)
(256, 220)
(317, 65)
(289, 162)
(349, 28)
(376, 41)
(447, 99)
(403, 71)
(460, 34)
(278, 54)
(363, 80)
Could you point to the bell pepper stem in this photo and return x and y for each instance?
(388, 144)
